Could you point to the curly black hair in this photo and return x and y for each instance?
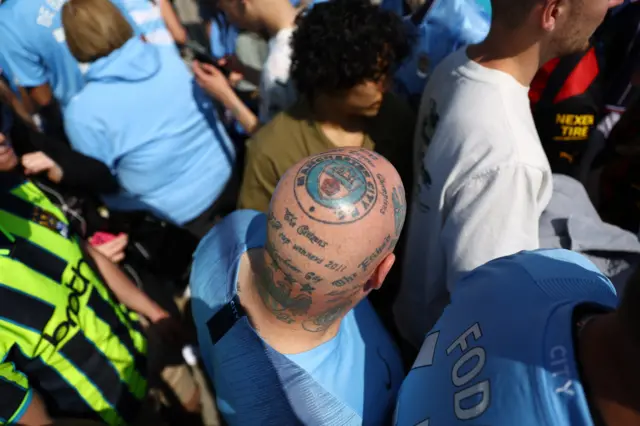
(342, 43)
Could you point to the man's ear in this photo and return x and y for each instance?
(379, 275)
(550, 12)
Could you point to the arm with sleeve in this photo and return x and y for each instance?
(16, 393)
(259, 181)
(491, 215)
(277, 92)
(26, 65)
(275, 97)
(79, 171)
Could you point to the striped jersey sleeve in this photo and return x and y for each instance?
(15, 391)
(61, 328)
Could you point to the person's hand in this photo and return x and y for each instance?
(235, 75)
(212, 81)
(8, 159)
(232, 63)
(114, 249)
(38, 162)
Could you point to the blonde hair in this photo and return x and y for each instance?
(94, 28)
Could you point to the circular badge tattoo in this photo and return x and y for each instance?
(335, 189)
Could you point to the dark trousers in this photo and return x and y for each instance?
(225, 204)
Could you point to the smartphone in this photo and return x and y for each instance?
(100, 238)
(202, 55)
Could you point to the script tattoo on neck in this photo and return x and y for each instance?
(278, 295)
(335, 188)
(324, 320)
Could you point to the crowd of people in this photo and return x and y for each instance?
(347, 212)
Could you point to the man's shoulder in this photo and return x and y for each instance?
(540, 275)
(83, 109)
(470, 116)
(282, 132)
(220, 249)
(514, 314)
(25, 17)
(242, 227)
(15, 20)
(10, 7)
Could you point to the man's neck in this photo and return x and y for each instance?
(278, 16)
(519, 58)
(282, 330)
(609, 363)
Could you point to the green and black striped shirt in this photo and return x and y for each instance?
(62, 332)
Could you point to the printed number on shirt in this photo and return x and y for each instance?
(473, 396)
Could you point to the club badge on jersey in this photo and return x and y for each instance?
(49, 221)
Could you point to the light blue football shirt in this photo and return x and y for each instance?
(35, 49)
(502, 354)
(447, 26)
(142, 114)
(349, 380)
(148, 17)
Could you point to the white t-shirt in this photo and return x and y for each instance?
(276, 92)
(479, 188)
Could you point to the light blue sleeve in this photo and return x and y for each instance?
(24, 64)
(89, 139)
(222, 38)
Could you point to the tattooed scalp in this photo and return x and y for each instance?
(334, 218)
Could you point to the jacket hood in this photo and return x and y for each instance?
(136, 60)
